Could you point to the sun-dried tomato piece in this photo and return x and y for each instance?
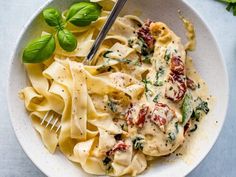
(176, 87)
(120, 146)
(162, 114)
(136, 117)
(141, 116)
(177, 65)
(128, 116)
(191, 84)
(145, 34)
(158, 120)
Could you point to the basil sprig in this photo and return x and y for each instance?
(52, 17)
(40, 49)
(83, 13)
(80, 14)
(67, 40)
(231, 4)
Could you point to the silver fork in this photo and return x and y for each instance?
(51, 119)
(102, 34)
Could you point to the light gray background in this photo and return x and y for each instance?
(219, 162)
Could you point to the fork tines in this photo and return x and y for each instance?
(52, 119)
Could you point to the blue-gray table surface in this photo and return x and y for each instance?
(218, 163)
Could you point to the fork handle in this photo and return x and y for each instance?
(102, 34)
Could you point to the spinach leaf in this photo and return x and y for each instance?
(112, 105)
(52, 17)
(177, 127)
(146, 82)
(107, 163)
(39, 49)
(203, 106)
(146, 59)
(187, 108)
(83, 13)
(159, 73)
(138, 143)
(67, 40)
(171, 136)
(167, 55)
(124, 60)
(155, 99)
(148, 92)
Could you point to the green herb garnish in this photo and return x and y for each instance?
(146, 82)
(144, 48)
(187, 108)
(137, 62)
(83, 13)
(231, 4)
(107, 163)
(112, 105)
(159, 73)
(146, 59)
(53, 17)
(171, 136)
(167, 55)
(147, 90)
(67, 40)
(202, 106)
(39, 49)
(124, 127)
(155, 99)
(124, 60)
(177, 127)
(138, 143)
(80, 14)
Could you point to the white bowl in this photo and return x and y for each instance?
(207, 59)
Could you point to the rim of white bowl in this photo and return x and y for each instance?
(39, 10)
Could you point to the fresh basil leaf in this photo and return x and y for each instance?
(187, 108)
(67, 40)
(234, 9)
(52, 17)
(228, 1)
(83, 13)
(231, 4)
(39, 49)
